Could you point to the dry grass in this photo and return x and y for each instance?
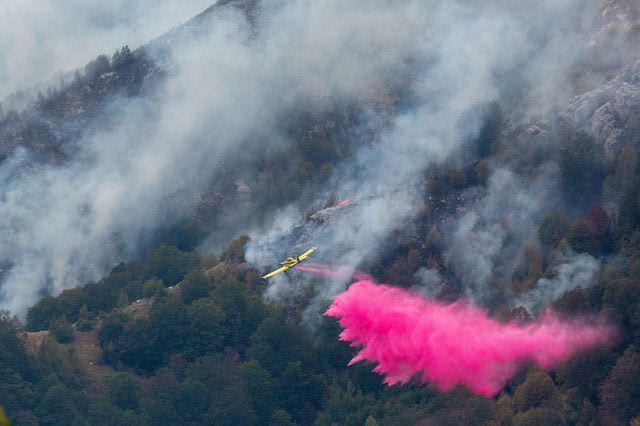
(139, 309)
(89, 355)
(33, 340)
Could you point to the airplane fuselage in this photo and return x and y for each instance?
(290, 263)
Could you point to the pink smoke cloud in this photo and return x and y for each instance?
(449, 345)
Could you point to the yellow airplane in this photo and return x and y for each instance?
(4, 420)
(291, 262)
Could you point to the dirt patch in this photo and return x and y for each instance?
(139, 309)
(89, 355)
(33, 340)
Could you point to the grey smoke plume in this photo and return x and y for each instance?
(484, 242)
(461, 52)
(228, 86)
(64, 225)
(575, 271)
(430, 282)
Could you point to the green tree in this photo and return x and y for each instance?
(347, 405)
(123, 391)
(40, 315)
(85, 325)
(122, 57)
(275, 344)
(537, 390)
(582, 169)
(192, 401)
(573, 302)
(57, 407)
(207, 331)
(539, 417)
(170, 264)
(261, 388)
(529, 270)
(579, 237)
(371, 421)
(186, 235)
(592, 234)
(621, 299)
(96, 67)
(552, 229)
(24, 418)
(152, 288)
(15, 392)
(103, 296)
(243, 312)
(195, 286)
(62, 330)
(71, 301)
(12, 352)
(234, 252)
(102, 412)
(504, 410)
(164, 388)
(620, 392)
(302, 394)
(281, 418)
(571, 376)
(168, 319)
(629, 213)
(494, 122)
(599, 226)
(231, 407)
(112, 327)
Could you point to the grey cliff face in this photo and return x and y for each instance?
(611, 112)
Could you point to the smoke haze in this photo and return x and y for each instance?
(575, 271)
(225, 92)
(460, 53)
(40, 39)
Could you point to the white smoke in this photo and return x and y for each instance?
(430, 282)
(228, 87)
(65, 225)
(485, 240)
(42, 38)
(459, 48)
(575, 271)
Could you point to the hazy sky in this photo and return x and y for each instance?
(40, 37)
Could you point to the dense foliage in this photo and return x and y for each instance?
(211, 351)
(190, 339)
(208, 349)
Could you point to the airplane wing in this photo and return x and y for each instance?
(306, 254)
(277, 271)
(4, 420)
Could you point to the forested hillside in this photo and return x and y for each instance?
(475, 156)
(191, 341)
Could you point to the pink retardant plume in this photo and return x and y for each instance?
(342, 203)
(456, 344)
(342, 272)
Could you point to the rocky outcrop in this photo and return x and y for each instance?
(620, 18)
(611, 112)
